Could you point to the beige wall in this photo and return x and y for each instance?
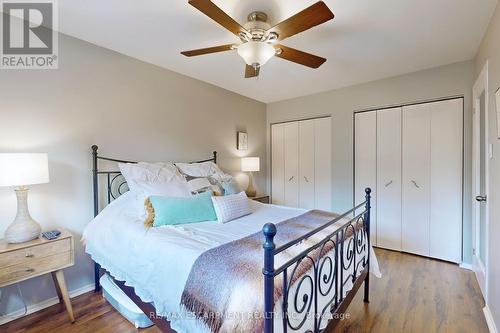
(131, 110)
(451, 80)
(490, 51)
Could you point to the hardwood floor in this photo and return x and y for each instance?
(418, 294)
(415, 295)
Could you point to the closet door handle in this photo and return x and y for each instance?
(415, 183)
(388, 184)
(481, 198)
(290, 179)
(307, 180)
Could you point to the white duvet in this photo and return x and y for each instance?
(157, 261)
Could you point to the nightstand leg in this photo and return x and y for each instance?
(58, 290)
(61, 285)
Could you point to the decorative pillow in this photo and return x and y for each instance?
(155, 179)
(204, 169)
(203, 184)
(199, 185)
(231, 207)
(173, 211)
(230, 186)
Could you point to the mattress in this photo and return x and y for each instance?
(157, 261)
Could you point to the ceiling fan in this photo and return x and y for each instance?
(259, 41)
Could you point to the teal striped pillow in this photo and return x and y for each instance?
(173, 211)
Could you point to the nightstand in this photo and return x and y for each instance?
(23, 261)
(262, 198)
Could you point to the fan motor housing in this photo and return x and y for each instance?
(257, 25)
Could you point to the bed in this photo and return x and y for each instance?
(154, 266)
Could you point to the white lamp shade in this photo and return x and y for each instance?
(250, 164)
(256, 52)
(23, 169)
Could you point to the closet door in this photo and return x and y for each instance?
(416, 179)
(278, 164)
(389, 179)
(446, 180)
(306, 164)
(365, 160)
(291, 148)
(323, 163)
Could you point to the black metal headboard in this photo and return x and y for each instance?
(116, 181)
(116, 184)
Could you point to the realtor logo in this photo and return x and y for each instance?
(29, 35)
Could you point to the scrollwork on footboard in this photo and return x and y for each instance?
(339, 263)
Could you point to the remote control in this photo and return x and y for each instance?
(50, 235)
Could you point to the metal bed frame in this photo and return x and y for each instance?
(350, 262)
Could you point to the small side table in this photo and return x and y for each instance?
(23, 261)
(262, 198)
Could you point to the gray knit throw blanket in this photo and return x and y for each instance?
(225, 288)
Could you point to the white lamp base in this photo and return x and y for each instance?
(23, 228)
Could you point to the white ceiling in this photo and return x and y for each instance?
(367, 40)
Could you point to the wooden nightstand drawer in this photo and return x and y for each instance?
(43, 265)
(34, 253)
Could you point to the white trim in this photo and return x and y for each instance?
(489, 320)
(479, 267)
(43, 304)
(465, 265)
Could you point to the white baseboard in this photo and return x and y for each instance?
(489, 320)
(42, 305)
(465, 265)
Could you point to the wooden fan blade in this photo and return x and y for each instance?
(299, 57)
(208, 50)
(208, 8)
(251, 72)
(306, 19)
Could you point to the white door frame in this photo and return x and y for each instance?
(480, 268)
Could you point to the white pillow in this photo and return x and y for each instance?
(198, 185)
(203, 169)
(231, 207)
(155, 179)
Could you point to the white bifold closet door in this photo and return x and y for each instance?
(306, 164)
(432, 179)
(389, 179)
(446, 180)
(365, 157)
(291, 147)
(416, 179)
(412, 159)
(278, 164)
(323, 163)
(301, 164)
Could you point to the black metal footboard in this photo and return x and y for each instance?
(324, 297)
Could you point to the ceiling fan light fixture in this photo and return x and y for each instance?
(255, 52)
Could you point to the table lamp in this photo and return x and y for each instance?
(250, 164)
(20, 170)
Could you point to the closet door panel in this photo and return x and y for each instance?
(365, 160)
(446, 180)
(416, 179)
(323, 163)
(277, 164)
(389, 179)
(306, 164)
(291, 148)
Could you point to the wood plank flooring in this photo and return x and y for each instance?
(415, 295)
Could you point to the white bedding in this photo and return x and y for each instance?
(157, 261)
